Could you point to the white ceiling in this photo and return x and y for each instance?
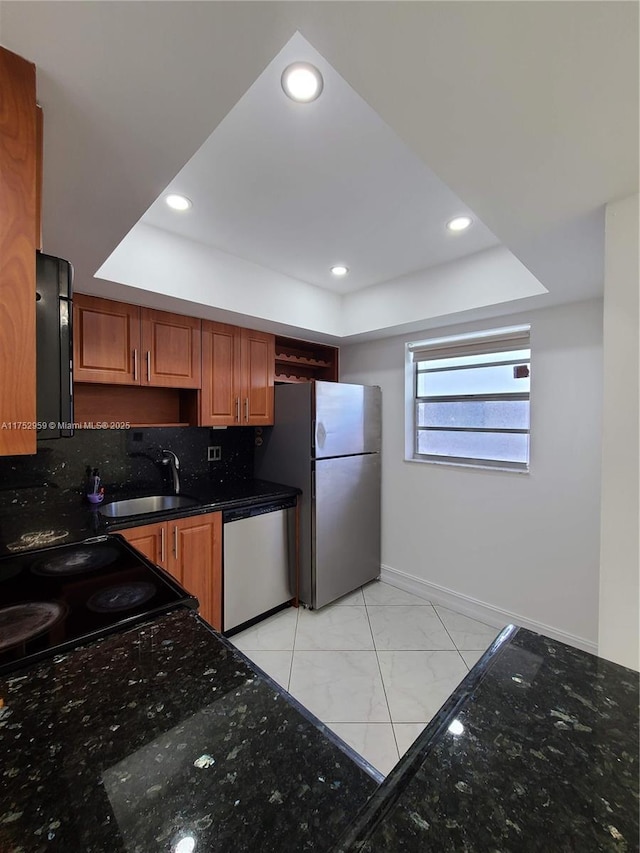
(528, 111)
(300, 187)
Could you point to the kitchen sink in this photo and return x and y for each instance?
(144, 506)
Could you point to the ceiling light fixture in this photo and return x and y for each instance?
(339, 270)
(178, 202)
(302, 82)
(460, 223)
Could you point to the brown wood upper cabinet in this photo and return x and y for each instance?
(237, 376)
(18, 156)
(190, 549)
(121, 344)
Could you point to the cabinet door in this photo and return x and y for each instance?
(220, 396)
(106, 341)
(150, 540)
(171, 349)
(257, 371)
(195, 558)
(17, 253)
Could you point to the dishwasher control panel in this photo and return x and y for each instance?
(259, 509)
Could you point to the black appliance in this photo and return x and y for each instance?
(53, 599)
(54, 352)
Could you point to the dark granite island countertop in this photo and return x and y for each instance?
(164, 738)
(535, 752)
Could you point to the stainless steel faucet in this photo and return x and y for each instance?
(171, 459)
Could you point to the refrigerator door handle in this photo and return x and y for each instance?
(313, 485)
(313, 433)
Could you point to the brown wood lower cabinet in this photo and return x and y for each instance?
(190, 549)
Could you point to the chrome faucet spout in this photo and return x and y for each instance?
(172, 460)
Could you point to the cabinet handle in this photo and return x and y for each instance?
(162, 547)
(135, 365)
(238, 409)
(246, 409)
(175, 541)
(148, 366)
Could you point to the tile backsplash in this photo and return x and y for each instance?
(131, 456)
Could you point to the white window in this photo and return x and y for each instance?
(471, 398)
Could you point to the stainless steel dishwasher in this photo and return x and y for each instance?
(259, 561)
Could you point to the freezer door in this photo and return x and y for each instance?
(347, 419)
(346, 525)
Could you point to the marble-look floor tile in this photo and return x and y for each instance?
(355, 597)
(373, 741)
(471, 658)
(340, 686)
(277, 664)
(417, 683)
(406, 733)
(379, 592)
(273, 634)
(333, 628)
(403, 627)
(467, 634)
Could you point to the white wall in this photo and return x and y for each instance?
(620, 552)
(526, 545)
(161, 262)
(489, 277)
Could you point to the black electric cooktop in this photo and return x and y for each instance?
(53, 599)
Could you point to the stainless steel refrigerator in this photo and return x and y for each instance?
(326, 441)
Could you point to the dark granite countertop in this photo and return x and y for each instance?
(36, 518)
(535, 752)
(164, 732)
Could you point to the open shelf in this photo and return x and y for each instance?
(140, 426)
(284, 358)
(285, 379)
(140, 406)
(303, 361)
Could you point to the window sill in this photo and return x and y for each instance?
(471, 465)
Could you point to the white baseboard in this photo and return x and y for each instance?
(476, 609)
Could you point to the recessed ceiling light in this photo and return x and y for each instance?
(339, 270)
(459, 223)
(178, 202)
(302, 82)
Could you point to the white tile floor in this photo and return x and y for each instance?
(374, 666)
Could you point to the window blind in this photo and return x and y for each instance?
(494, 340)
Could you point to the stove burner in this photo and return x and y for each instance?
(22, 622)
(126, 596)
(77, 561)
(37, 540)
